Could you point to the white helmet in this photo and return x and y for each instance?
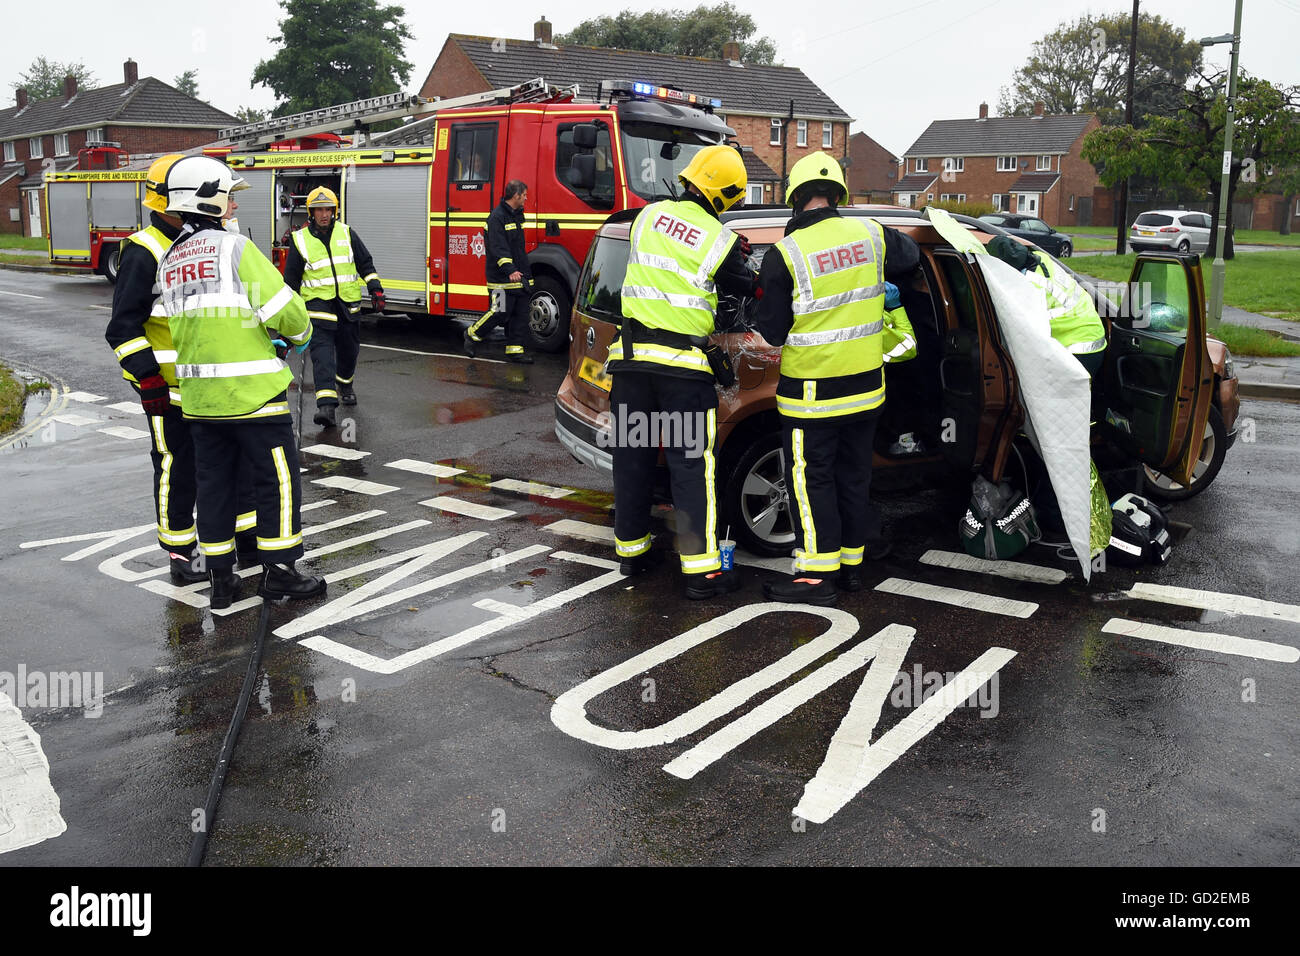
(201, 185)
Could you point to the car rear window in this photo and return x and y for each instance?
(600, 294)
(1154, 219)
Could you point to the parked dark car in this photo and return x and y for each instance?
(1035, 230)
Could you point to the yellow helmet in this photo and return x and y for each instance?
(155, 190)
(816, 167)
(719, 173)
(320, 196)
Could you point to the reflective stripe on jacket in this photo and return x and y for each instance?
(221, 296)
(328, 273)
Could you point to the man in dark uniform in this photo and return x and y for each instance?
(509, 280)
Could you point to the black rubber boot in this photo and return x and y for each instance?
(850, 578)
(347, 395)
(638, 564)
(701, 587)
(801, 590)
(468, 344)
(282, 581)
(225, 588)
(325, 416)
(185, 570)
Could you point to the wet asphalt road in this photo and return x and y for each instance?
(453, 756)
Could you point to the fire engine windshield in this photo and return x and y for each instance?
(656, 153)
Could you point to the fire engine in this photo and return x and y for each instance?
(92, 208)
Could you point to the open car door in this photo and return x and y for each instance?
(979, 404)
(1158, 376)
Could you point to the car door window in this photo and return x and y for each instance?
(1159, 299)
(1036, 225)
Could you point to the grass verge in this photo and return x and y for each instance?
(1247, 340)
(1254, 281)
(22, 242)
(12, 396)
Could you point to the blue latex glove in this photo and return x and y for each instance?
(892, 298)
(282, 347)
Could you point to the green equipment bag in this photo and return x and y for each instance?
(1000, 522)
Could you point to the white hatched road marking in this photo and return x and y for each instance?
(1204, 640)
(355, 484)
(425, 468)
(968, 599)
(29, 806)
(581, 530)
(470, 509)
(131, 408)
(466, 358)
(124, 431)
(22, 295)
(86, 397)
(72, 418)
(1215, 601)
(335, 451)
(1014, 570)
(530, 488)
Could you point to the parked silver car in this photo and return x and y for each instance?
(1178, 230)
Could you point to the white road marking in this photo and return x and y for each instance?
(361, 539)
(534, 489)
(72, 418)
(569, 711)
(889, 647)
(354, 484)
(389, 348)
(581, 530)
(106, 308)
(130, 408)
(22, 295)
(86, 397)
(29, 806)
(361, 659)
(1215, 601)
(1204, 640)
(124, 431)
(968, 599)
(243, 604)
(425, 468)
(1014, 570)
(340, 522)
(852, 762)
(335, 451)
(472, 509)
(106, 540)
(312, 506)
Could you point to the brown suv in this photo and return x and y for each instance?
(1162, 389)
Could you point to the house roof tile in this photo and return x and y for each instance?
(148, 101)
(1034, 182)
(915, 182)
(1000, 135)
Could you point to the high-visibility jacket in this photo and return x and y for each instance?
(157, 336)
(329, 273)
(899, 341)
(222, 296)
(838, 304)
(669, 287)
(1075, 322)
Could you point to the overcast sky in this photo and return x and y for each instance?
(892, 66)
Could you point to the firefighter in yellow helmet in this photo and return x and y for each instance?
(824, 302)
(142, 344)
(682, 257)
(329, 265)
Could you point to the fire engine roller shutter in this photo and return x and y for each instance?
(388, 206)
(113, 205)
(69, 220)
(254, 212)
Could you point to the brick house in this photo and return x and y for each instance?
(1026, 164)
(873, 170)
(778, 113)
(145, 116)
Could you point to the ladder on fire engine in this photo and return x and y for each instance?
(377, 109)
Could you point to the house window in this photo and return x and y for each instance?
(802, 126)
(922, 165)
(775, 138)
(1071, 202)
(1044, 162)
(929, 197)
(955, 165)
(828, 134)
(61, 144)
(998, 204)
(952, 197)
(10, 152)
(35, 149)
(1006, 164)
(95, 135)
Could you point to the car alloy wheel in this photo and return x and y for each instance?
(1066, 250)
(758, 502)
(1214, 447)
(1184, 247)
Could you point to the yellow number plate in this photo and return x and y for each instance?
(594, 372)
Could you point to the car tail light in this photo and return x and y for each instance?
(1168, 228)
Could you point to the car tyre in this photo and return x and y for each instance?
(548, 315)
(108, 262)
(1184, 247)
(1214, 447)
(756, 502)
(1066, 251)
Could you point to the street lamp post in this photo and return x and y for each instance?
(1217, 269)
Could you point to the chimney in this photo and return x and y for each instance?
(130, 72)
(731, 51)
(69, 86)
(21, 96)
(542, 31)
(984, 111)
(1039, 107)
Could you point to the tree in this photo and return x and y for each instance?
(248, 114)
(335, 51)
(1081, 67)
(698, 32)
(44, 78)
(188, 83)
(1185, 151)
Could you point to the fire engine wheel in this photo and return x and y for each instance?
(548, 315)
(756, 502)
(108, 262)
